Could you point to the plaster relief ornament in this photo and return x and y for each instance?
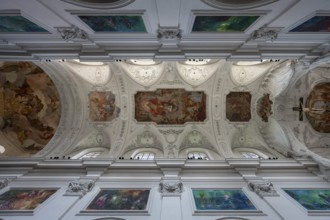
(144, 72)
(71, 33)
(3, 183)
(170, 187)
(169, 33)
(262, 189)
(79, 188)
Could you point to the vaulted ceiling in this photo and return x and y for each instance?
(167, 76)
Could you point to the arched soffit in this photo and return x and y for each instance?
(196, 139)
(30, 108)
(198, 72)
(143, 72)
(237, 4)
(275, 136)
(144, 139)
(317, 107)
(247, 138)
(97, 138)
(278, 78)
(100, 4)
(96, 73)
(244, 73)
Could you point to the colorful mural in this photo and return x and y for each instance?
(24, 199)
(314, 24)
(29, 106)
(18, 24)
(223, 23)
(238, 106)
(170, 106)
(102, 106)
(114, 23)
(221, 199)
(120, 199)
(264, 107)
(311, 199)
(317, 108)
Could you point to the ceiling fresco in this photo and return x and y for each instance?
(29, 106)
(170, 106)
(102, 106)
(318, 108)
(238, 106)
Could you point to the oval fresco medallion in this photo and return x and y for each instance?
(29, 108)
(317, 107)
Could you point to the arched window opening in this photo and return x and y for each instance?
(92, 154)
(198, 155)
(250, 155)
(145, 156)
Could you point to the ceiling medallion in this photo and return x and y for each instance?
(101, 4)
(237, 4)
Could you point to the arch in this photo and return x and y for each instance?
(81, 154)
(240, 151)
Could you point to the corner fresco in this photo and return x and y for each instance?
(221, 199)
(317, 108)
(223, 23)
(238, 106)
(114, 23)
(314, 24)
(29, 106)
(170, 106)
(264, 107)
(24, 199)
(311, 199)
(102, 106)
(18, 24)
(120, 199)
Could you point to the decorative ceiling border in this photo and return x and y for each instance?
(101, 4)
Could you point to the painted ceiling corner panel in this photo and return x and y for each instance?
(314, 24)
(223, 24)
(18, 24)
(114, 23)
(170, 106)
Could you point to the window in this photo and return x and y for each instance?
(249, 155)
(92, 154)
(145, 156)
(197, 155)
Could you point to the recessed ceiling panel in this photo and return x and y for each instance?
(314, 24)
(223, 24)
(237, 4)
(114, 23)
(18, 24)
(100, 3)
(170, 106)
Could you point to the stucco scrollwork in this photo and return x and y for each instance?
(80, 188)
(262, 189)
(70, 33)
(167, 187)
(169, 33)
(3, 183)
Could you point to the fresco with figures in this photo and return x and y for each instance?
(311, 199)
(314, 24)
(29, 106)
(170, 106)
(102, 106)
(120, 199)
(317, 108)
(24, 199)
(238, 106)
(221, 199)
(18, 24)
